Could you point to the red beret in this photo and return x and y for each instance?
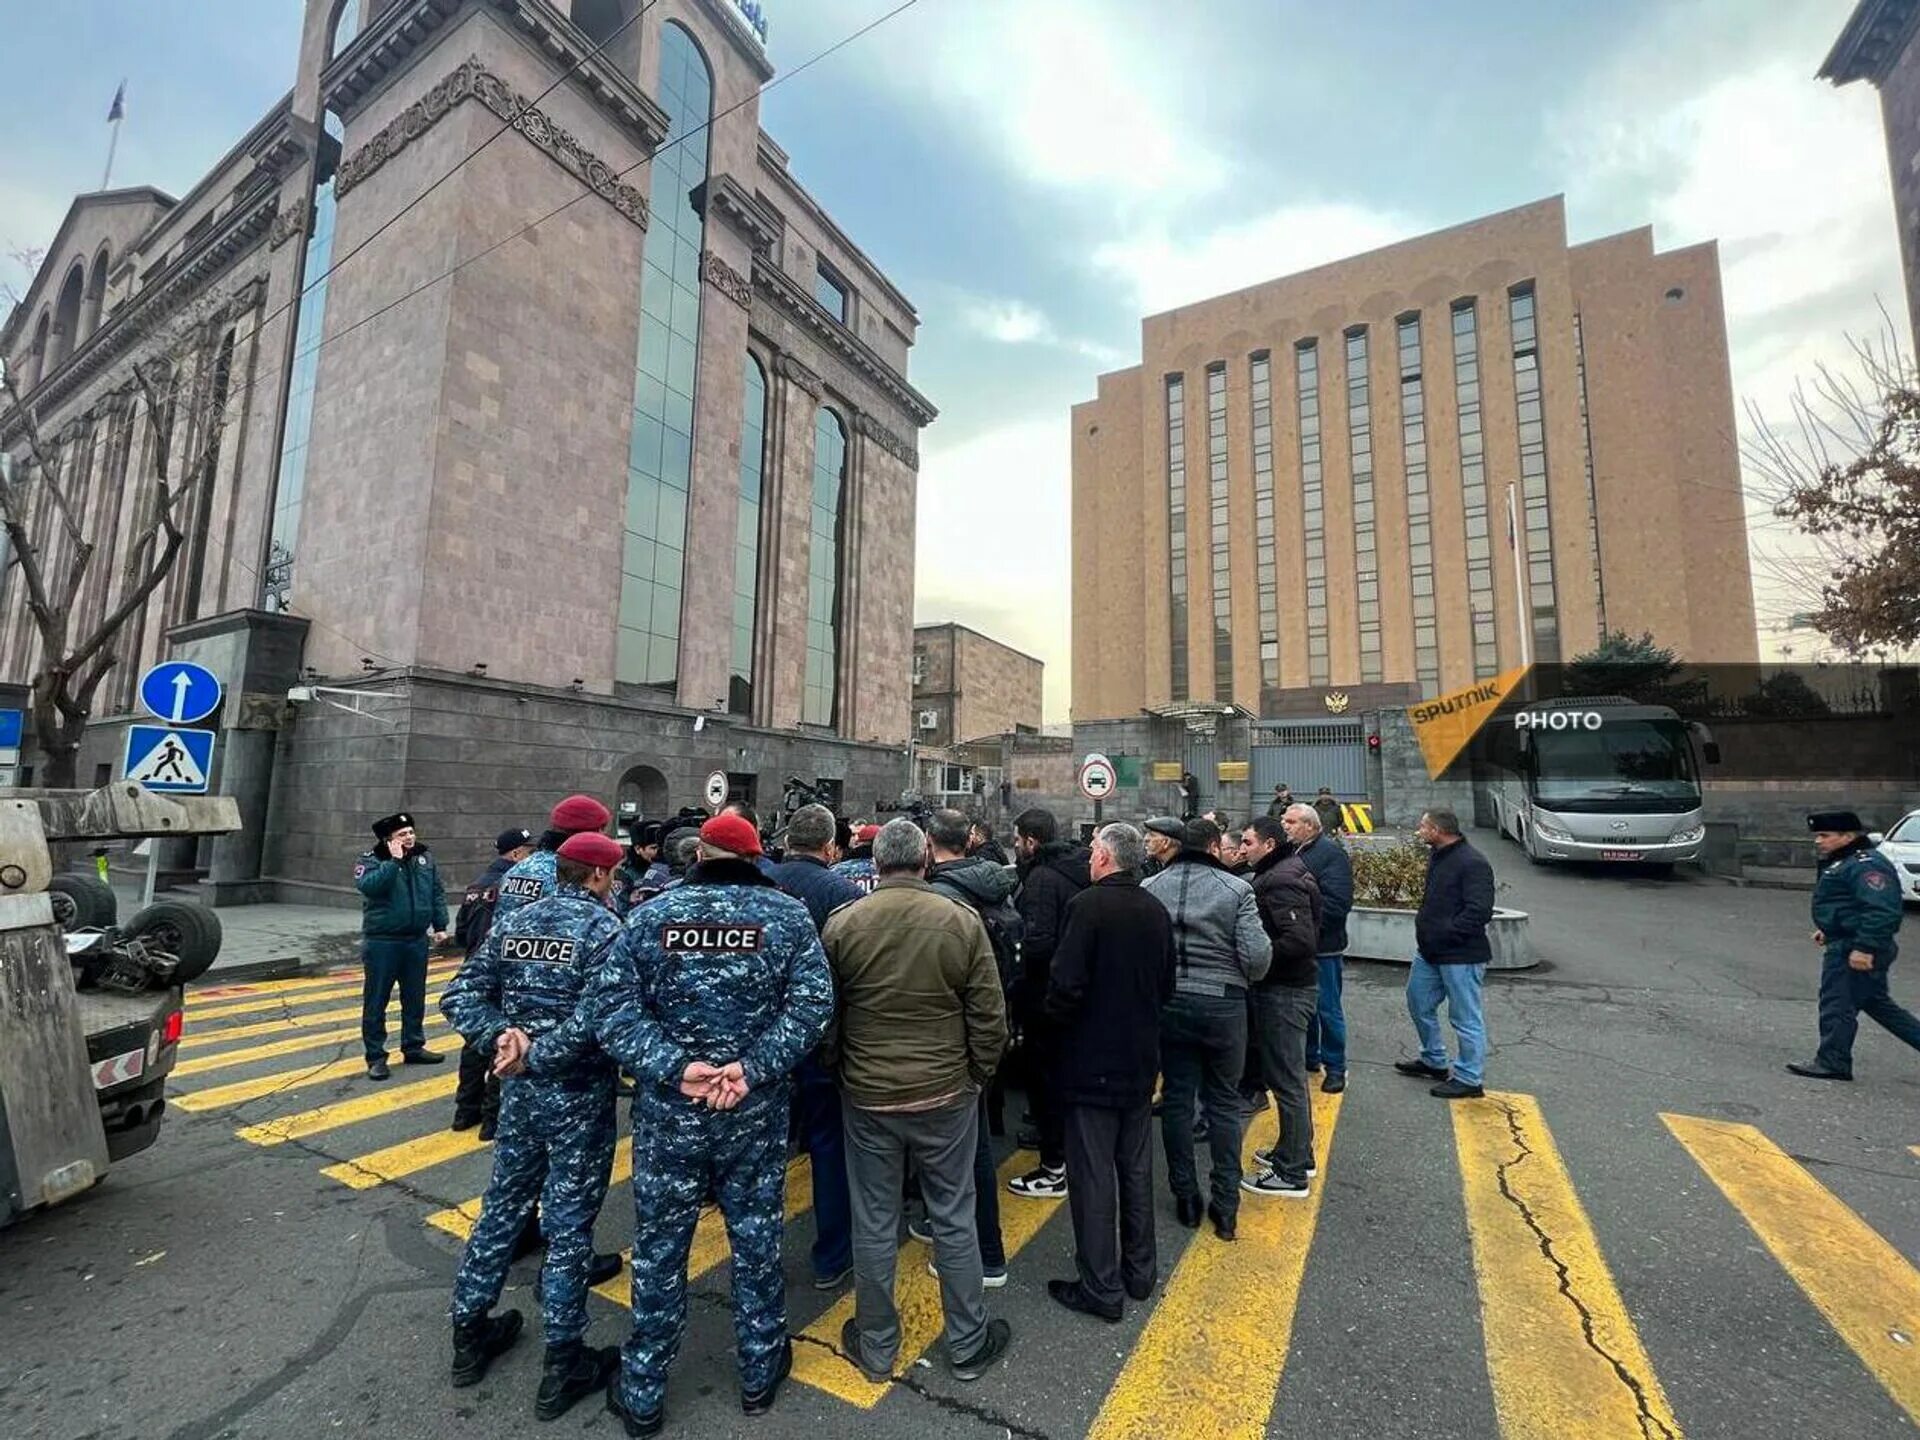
(592, 848)
(866, 834)
(732, 833)
(580, 812)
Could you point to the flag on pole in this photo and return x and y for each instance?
(119, 107)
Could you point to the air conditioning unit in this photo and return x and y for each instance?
(929, 719)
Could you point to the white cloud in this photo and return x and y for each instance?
(1008, 321)
(1163, 271)
(993, 541)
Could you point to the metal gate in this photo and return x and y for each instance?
(1306, 754)
(1203, 763)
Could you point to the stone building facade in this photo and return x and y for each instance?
(1877, 46)
(1298, 502)
(566, 436)
(971, 686)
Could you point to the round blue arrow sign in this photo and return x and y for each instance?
(180, 692)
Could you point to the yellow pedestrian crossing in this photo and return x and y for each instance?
(1563, 1357)
(221, 1097)
(262, 998)
(203, 1039)
(379, 1100)
(1868, 1291)
(409, 1157)
(313, 1040)
(1215, 1346)
(332, 982)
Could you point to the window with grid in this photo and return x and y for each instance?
(1219, 532)
(1313, 515)
(1473, 490)
(1593, 499)
(1537, 520)
(1266, 574)
(1366, 550)
(1413, 449)
(1177, 533)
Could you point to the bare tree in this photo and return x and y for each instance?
(76, 656)
(1844, 472)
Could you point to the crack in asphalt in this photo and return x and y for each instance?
(951, 1404)
(1650, 1424)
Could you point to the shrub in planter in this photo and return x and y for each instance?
(1390, 877)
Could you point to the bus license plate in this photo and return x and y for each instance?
(1620, 854)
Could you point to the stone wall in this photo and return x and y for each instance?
(1404, 789)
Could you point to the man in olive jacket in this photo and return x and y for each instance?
(920, 1024)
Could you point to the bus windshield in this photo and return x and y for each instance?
(1624, 767)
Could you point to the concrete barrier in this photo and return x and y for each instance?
(1375, 934)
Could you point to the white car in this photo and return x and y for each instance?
(1901, 845)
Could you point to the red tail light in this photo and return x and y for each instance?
(170, 1032)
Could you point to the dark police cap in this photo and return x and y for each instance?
(647, 832)
(387, 826)
(510, 840)
(1170, 826)
(1835, 820)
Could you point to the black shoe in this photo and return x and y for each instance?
(638, 1426)
(476, 1343)
(1819, 1072)
(759, 1402)
(570, 1374)
(377, 1069)
(1335, 1082)
(1073, 1295)
(1313, 1067)
(1420, 1070)
(999, 1336)
(1140, 1292)
(1189, 1209)
(465, 1119)
(835, 1280)
(603, 1268)
(1224, 1225)
(421, 1057)
(489, 1127)
(850, 1343)
(1456, 1090)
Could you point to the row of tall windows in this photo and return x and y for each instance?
(1586, 456)
(1219, 532)
(1313, 521)
(1177, 532)
(1266, 567)
(1413, 446)
(1530, 412)
(1366, 546)
(1473, 490)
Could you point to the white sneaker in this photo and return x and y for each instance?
(992, 1279)
(1040, 1184)
(1264, 1159)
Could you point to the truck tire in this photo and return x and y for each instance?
(80, 902)
(191, 933)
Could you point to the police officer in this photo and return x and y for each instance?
(641, 875)
(1856, 910)
(477, 1100)
(710, 998)
(517, 998)
(402, 902)
(858, 866)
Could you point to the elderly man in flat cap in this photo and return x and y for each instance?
(1856, 911)
(402, 903)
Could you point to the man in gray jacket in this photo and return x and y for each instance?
(1222, 948)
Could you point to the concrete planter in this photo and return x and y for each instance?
(1374, 934)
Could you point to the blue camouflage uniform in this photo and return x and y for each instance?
(400, 901)
(721, 968)
(860, 871)
(556, 1135)
(534, 878)
(1856, 905)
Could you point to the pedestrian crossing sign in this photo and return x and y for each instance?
(169, 761)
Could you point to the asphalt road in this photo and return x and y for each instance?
(1558, 1260)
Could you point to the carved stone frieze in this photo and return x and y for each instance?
(785, 365)
(473, 81)
(291, 221)
(727, 280)
(894, 445)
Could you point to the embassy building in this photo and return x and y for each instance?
(546, 435)
(1297, 504)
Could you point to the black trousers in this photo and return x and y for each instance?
(1041, 1041)
(478, 1092)
(1110, 1194)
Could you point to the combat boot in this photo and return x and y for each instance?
(477, 1342)
(572, 1372)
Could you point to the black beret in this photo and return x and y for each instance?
(1836, 820)
(383, 828)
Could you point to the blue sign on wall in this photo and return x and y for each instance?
(180, 692)
(12, 727)
(172, 762)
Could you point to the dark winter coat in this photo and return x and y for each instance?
(1289, 901)
(1332, 870)
(1451, 928)
(1112, 971)
(399, 899)
(1048, 883)
(813, 882)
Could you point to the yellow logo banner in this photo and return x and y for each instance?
(1444, 724)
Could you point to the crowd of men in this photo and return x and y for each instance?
(857, 998)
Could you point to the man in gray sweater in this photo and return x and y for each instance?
(1222, 948)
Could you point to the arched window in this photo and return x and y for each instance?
(346, 25)
(96, 289)
(66, 315)
(660, 461)
(746, 534)
(820, 699)
(41, 333)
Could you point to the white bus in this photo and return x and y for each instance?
(1597, 778)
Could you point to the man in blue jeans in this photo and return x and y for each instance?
(1450, 959)
(1326, 860)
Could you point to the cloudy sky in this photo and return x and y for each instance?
(1038, 174)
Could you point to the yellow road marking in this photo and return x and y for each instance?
(1563, 1356)
(241, 1091)
(315, 1040)
(458, 1220)
(409, 1157)
(710, 1247)
(1868, 1290)
(1210, 1358)
(917, 1294)
(331, 980)
(381, 1100)
(205, 1039)
(197, 1012)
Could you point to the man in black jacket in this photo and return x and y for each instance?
(1326, 858)
(1283, 1004)
(477, 1100)
(1450, 959)
(1052, 872)
(1112, 972)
